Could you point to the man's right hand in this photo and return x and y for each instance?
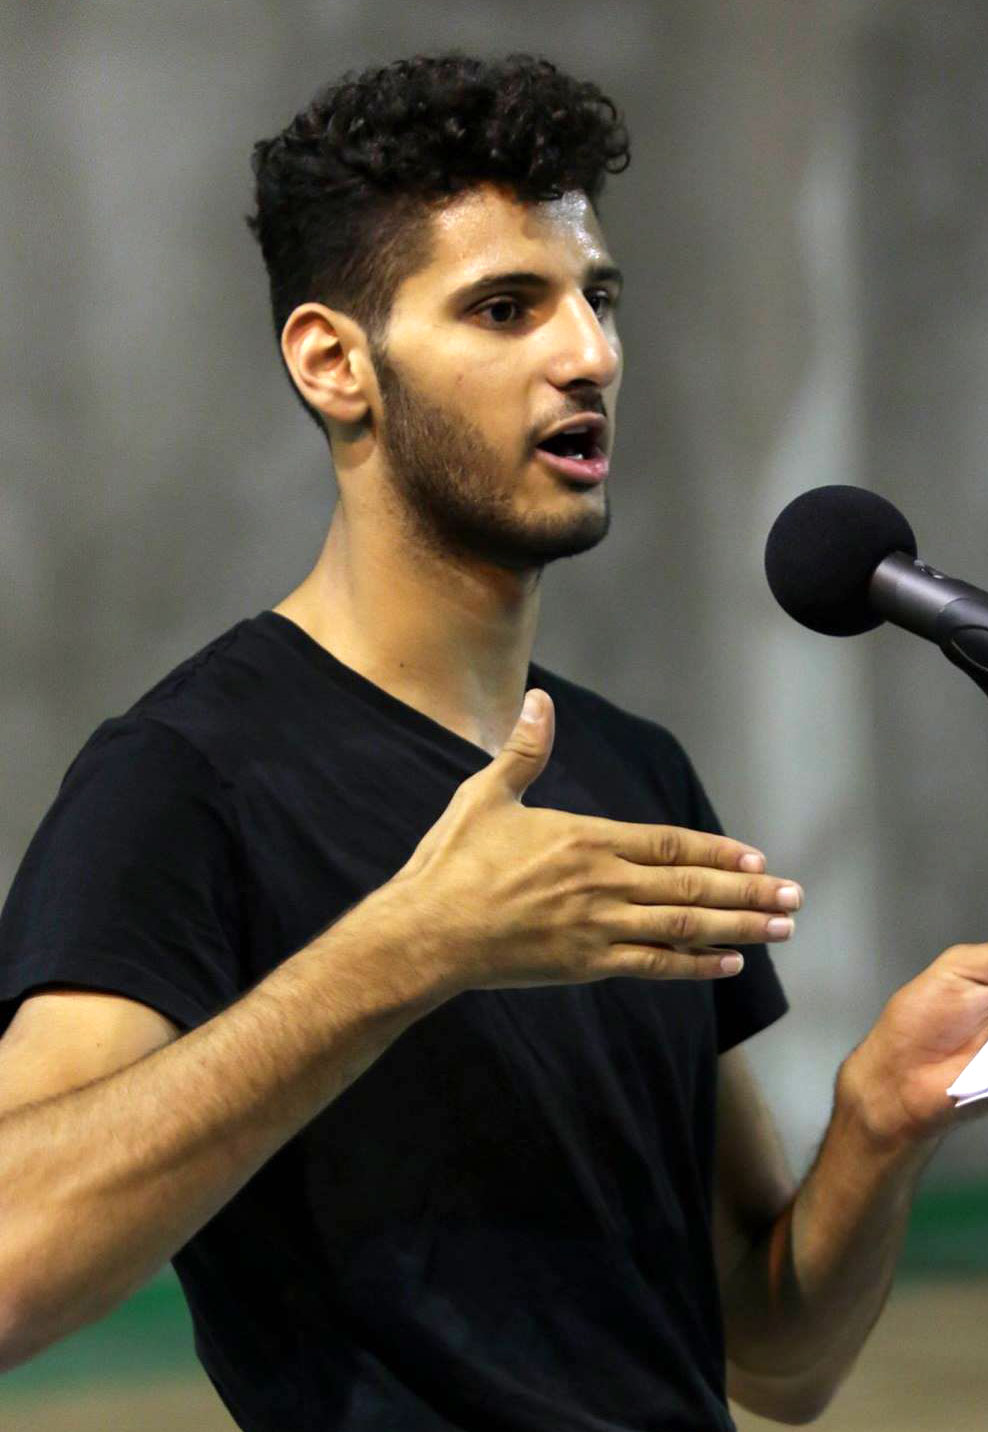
(506, 896)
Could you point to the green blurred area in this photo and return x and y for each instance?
(151, 1334)
(948, 1233)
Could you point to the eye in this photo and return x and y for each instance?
(608, 300)
(502, 303)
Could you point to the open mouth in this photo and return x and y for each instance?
(577, 454)
(572, 444)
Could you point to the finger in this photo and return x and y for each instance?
(699, 885)
(663, 962)
(673, 845)
(693, 926)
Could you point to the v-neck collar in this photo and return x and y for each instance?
(286, 630)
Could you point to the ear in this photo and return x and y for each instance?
(325, 352)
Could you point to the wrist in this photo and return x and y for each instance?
(409, 962)
(875, 1116)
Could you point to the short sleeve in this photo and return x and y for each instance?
(754, 999)
(131, 883)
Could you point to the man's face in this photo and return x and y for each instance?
(471, 382)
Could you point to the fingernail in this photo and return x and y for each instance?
(731, 964)
(752, 862)
(780, 929)
(531, 708)
(790, 897)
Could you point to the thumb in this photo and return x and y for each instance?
(526, 752)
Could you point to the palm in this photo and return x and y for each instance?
(930, 1030)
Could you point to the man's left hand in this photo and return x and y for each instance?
(929, 1030)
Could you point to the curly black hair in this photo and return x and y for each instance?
(346, 191)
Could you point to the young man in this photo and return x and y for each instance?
(399, 1024)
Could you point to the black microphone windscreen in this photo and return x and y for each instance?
(822, 551)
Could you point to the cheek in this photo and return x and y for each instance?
(486, 395)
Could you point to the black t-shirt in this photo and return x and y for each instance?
(504, 1224)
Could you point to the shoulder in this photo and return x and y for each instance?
(137, 791)
(205, 714)
(140, 754)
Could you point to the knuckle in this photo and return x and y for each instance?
(577, 840)
(668, 845)
(753, 894)
(620, 924)
(582, 890)
(594, 831)
(964, 958)
(689, 887)
(658, 961)
(682, 924)
(611, 883)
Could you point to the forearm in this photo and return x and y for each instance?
(99, 1187)
(801, 1305)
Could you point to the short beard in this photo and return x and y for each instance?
(450, 485)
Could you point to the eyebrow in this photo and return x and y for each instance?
(596, 273)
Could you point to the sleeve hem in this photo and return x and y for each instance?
(761, 1020)
(103, 976)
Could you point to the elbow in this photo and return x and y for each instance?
(24, 1334)
(29, 1329)
(800, 1413)
(20, 1336)
(17, 1346)
(32, 1318)
(790, 1409)
(794, 1402)
(806, 1412)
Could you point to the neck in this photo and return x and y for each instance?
(452, 639)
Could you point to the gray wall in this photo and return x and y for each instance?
(803, 229)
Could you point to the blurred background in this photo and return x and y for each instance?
(804, 231)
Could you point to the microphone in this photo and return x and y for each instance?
(842, 560)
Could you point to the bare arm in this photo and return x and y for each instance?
(799, 1308)
(100, 1186)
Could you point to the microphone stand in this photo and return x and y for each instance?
(953, 613)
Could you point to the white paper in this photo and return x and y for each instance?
(972, 1082)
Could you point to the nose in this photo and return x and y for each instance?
(583, 348)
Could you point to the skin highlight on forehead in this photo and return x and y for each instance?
(488, 230)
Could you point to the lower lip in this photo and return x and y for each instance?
(590, 470)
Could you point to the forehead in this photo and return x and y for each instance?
(489, 229)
